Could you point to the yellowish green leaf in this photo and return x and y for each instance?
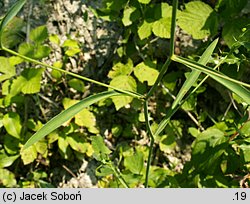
(123, 82)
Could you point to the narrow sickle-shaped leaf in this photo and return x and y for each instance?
(195, 73)
(67, 114)
(10, 15)
(185, 87)
(232, 84)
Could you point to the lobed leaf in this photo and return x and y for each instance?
(39, 34)
(6, 161)
(6, 69)
(144, 1)
(161, 28)
(7, 178)
(196, 19)
(12, 124)
(145, 30)
(126, 83)
(146, 72)
(134, 162)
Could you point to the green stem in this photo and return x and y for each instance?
(173, 26)
(172, 111)
(153, 88)
(118, 175)
(132, 94)
(168, 61)
(159, 78)
(151, 142)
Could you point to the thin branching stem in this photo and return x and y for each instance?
(206, 70)
(118, 174)
(151, 142)
(154, 87)
(129, 93)
(168, 61)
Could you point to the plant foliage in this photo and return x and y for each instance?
(162, 116)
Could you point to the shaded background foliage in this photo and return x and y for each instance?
(206, 144)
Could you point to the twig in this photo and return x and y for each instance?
(69, 171)
(48, 100)
(226, 112)
(234, 104)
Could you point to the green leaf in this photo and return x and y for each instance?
(190, 103)
(193, 131)
(193, 76)
(6, 69)
(105, 170)
(246, 152)
(52, 137)
(41, 51)
(116, 130)
(232, 31)
(144, 1)
(160, 10)
(209, 138)
(70, 43)
(41, 147)
(99, 146)
(121, 69)
(7, 178)
(72, 47)
(26, 49)
(6, 161)
(245, 130)
(77, 142)
(208, 148)
(12, 35)
(66, 115)
(12, 124)
(161, 28)
(34, 51)
(72, 51)
(54, 39)
(229, 8)
(39, 34)
(11, 144)
(15, 88)
(63, 146)
(135, 162)
(29, 155)
(170, 79)
(196, 19)
(145, 30)
(127, 16)
(28, 82)
(126, 83)
(146, 72)
(14, 60)
(77, 84)
(31, 80)
(167, 143)
(9, 16)
(232, 84)
(86, 119)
